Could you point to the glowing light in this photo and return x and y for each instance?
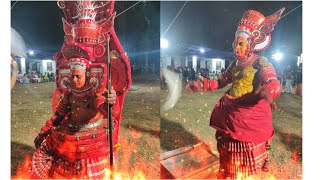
(31, 52)
(24, 173)
(164, 43)
(277, 56)
(202, 50)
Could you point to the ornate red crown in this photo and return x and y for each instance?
(86, 20)
(251, 20)
(258, 28)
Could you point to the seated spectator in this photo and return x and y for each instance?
(51, 76)
(46, 77)
(38, 79)
(19, 77)
(25, 79)
(32, 78)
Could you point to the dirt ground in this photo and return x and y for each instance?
(188, 124)
(139, 133)
(143, 137)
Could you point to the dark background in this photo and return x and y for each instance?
(212, 25)
(40, 24)
(207, 24)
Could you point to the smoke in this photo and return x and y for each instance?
(17, 44)
(174, 85)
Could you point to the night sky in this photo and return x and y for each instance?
(210, 24)
(213, 24)
(40, 24)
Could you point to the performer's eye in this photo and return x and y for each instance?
(241, 43)
(77, 76)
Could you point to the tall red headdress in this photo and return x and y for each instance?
(257, 28)
(88, 26)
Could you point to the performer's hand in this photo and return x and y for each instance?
(112, 97)
(46, 130)
(273, 106)
(38, 141)
(264, 93)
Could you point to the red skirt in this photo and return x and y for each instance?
(75, 156)
(246, 119)
(240, 159)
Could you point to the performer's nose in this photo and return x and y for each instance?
(74, 79)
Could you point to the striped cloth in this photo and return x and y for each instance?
(91, 168)
(41, 162)
(240, 159)
(77, 156)
(46, 164)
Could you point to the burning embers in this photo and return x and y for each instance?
(24, 172)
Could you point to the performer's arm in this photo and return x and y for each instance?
(62, 109)
(270, 88)
(226, 77)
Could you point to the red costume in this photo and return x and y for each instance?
(243, 116)
(199, 85)
(205, 84)
(213, 84)
(74, 142)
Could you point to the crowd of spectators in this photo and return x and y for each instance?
(190, 74)
(35, 77)
(291, 80)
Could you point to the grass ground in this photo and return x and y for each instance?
(188, 124)
(139, 132)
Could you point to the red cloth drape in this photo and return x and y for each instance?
(246, 119)
(199, 85)
(213, 85)
(205, 84)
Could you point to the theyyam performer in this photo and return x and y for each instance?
(75, 141)
(243, 116)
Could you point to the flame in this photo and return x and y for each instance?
(24, 173)
(241, 176)
(23, 169)
(266, 176)
(269, 176)
(127, 151)
(123, 175)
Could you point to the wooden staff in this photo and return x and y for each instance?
(110, 107)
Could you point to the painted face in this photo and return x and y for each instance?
(240, 48)
(78, 77)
